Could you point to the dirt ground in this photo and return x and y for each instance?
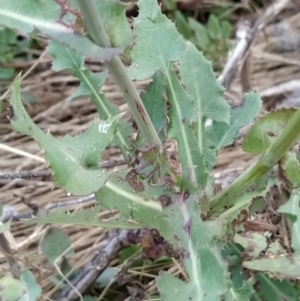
(274, 70)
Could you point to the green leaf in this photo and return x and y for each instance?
(197, 75)
(4, 227)
(253, 243)
(181, 114)
(291, 210)
(113, 16)
(283, 266)
(154, 102)
(207, 95)
(169, 4)
(90, 84)
(242, 294)
(134, 199)
(201, 34)
(54, 243)
(291, 168)
(74, 160)
(6, 73)
(29, 98)
(182, 24)
(34, 291)
(232, 254)
(128, 252)
(208, 276)
(43, 16)
(225, 29)
(222, 134)
(157, 46)
(11, 289)
(275, 290)
(265, 131)
(106, 276)
(157, 42)
(81, 218)
(213, 27)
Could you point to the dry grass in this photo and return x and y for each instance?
(274, 61)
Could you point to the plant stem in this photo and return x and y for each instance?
(98, 34)
(274, 153)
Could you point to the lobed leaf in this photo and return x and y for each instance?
(43, 16)
(206, 94)
(265, 131)
(90, 85)
(136, 200)
(157, 42)
(225, 134)
(74, 160)
(81, 218)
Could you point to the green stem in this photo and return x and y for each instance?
(274, 153)
(98, 34)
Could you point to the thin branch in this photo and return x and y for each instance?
(9, 213)
(25, 174)
(28, 174)
(120, 239)
(245, 37)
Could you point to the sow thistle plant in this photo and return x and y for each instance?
(176, 198)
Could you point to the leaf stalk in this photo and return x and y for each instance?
(98, 34)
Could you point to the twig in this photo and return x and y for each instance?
(91, 271)
(28, 174)
(245, 37)
(25, 174)
(9, 213)
(7, 251)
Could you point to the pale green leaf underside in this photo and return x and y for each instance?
(30, 15)
(81, 218)
(74, 160)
